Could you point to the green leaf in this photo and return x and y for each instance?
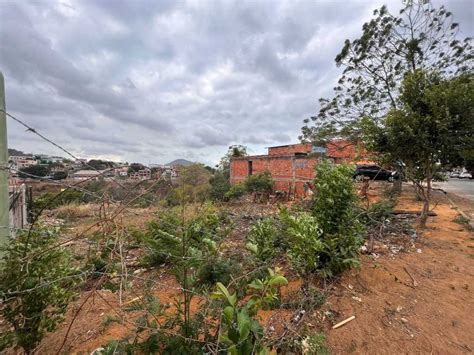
(228, 313)
(278, 280)
(244, 324)
(252, 247)
(225, 339)
(231, 299)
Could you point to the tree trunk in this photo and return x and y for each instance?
(397, 183)
(424, 211)
(426, 194)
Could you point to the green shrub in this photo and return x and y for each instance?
(169, 333)
(259, 182)
(241, 332)
(219, 270)
(335, 199)
(220, 185)
(164, 236)
(263, 239)
(51, 200)
(306, 247)
(37, 283)
(326, 242)
(235, 192)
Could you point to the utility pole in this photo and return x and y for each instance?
(4, 194)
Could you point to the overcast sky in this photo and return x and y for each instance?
(151, 81)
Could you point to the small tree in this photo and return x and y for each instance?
(430, 131)
(220, 185)
(37, 282)
(192, 185)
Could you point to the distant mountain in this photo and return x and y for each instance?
(180, 162)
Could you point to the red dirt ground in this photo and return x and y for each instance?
(396, 317)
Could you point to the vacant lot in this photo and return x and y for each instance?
(407, 297)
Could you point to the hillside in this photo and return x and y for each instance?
(180, 162)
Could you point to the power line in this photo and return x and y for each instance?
(33, 130)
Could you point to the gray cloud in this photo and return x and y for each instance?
(151, 81)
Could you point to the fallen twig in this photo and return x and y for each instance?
(415, 284)
(340, 324)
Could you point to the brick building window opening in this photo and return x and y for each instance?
(250, 167)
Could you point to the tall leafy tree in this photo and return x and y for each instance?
(430, 129)
(420, 37)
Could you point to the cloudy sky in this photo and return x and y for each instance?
(156, 80)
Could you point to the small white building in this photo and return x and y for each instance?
(87, 175)
(22, 161)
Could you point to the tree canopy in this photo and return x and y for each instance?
(421, 37)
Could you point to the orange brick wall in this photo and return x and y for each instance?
(290, 149)
(289, 173)
(343, 151)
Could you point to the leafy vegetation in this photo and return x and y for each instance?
(36, 285)
(263, 240)
(241, 332)
(34, 171)
(164, 235)
(235, 192)
(192, 186)
(259, 182)
(219, 270)
(51, 200)
(327, 240)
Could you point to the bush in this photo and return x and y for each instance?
(59, 175)
(235, 192)
(218, 270)
(167, 333)
(328, 241)
(36, 284)
(306, 247)
(335, 199)
(164, 236)
(241, 331)
(259, 183)
(220, 185)
(51, 200)
(74, 211)
(263, 239)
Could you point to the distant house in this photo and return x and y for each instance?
(87, 175)
(293, 166)
(78, 163)
(22, 161)
(121, 171)
(143, 174)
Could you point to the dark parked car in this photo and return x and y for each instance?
(374, 172)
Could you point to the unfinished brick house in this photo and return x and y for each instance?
(292, 166)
